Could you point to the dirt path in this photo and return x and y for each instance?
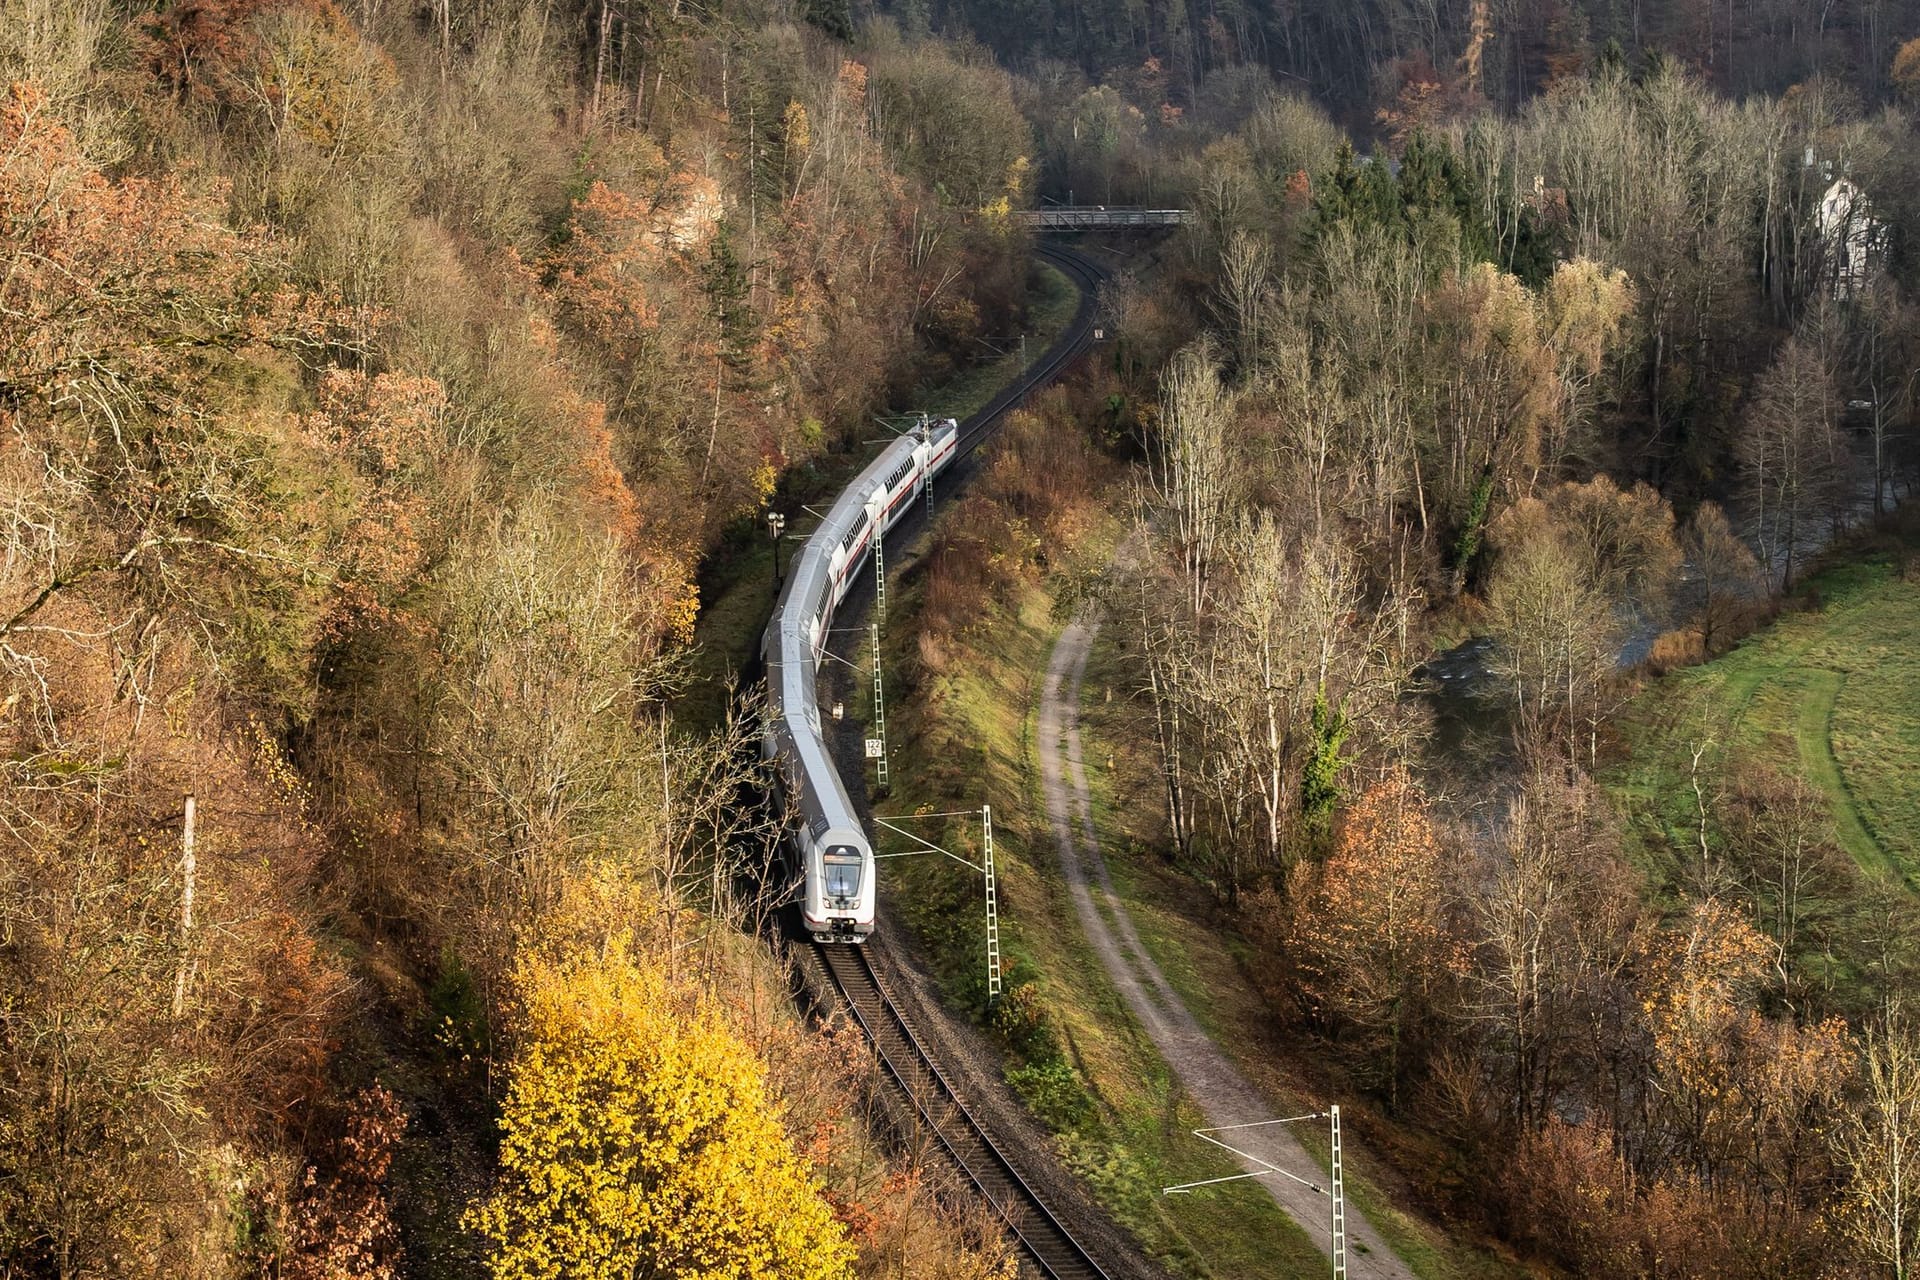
(1222, 1093)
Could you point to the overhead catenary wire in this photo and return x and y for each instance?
(1043, 1237)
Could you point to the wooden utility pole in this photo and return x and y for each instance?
(183, 976)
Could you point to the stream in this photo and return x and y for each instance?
(1466, 697)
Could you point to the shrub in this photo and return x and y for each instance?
(1053, 1092)
(640, 1140)
(1674, 649)
(1022, 1019)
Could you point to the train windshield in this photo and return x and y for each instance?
(842, 872)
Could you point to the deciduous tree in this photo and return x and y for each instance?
(537, 701)
(1195, 480)
(1558, 633)
(1792, 460)
(638, 1139)
(1554, 919)
(1877, 1141)
(1728, 574)
(1368, 942)
(1782, 846)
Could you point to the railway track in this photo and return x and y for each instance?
(1048, 1246)
(1087, 277)
(1045, 1241)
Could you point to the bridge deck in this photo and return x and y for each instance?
(1097, 217)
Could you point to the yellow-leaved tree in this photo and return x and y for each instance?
(639, 1141)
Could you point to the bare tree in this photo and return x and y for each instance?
(1553, 916)
(1163, 644)
(1314, 414)
(1729, 577)
(540, 698)
(1783, 849)
(1877, 1143)
(1888, 363)
(1244, 296)
(1791, 457)
(1558, 634)
(1293, 655)
(1195, 482)
(1584, 313)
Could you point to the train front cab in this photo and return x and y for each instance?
(838, 903)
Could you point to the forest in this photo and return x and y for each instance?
(1592, 380)
(374, 382)
(387, 388)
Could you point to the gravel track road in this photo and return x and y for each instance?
(1223, 1095)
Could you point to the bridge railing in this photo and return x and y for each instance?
(1095, 217)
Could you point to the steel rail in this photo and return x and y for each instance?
(915, 1073)
(1087, 277)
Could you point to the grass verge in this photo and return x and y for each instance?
(1121, 1121)
(1829, 692)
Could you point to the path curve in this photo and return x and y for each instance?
(1223, 1095)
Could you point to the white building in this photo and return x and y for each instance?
(1853, 241)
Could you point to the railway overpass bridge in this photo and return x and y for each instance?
(1099, 217)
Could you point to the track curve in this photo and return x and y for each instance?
(1041, 1235)
(1087, 276)
(909, 1066)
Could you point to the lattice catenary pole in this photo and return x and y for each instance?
(928, 482)
(880, 567)
(1339, 1203)
(925, 430)
(879, 708)
(993, 903)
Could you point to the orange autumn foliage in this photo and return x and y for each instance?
(1703, 974)
(1571, 1193)
(602, 485)
(385, 429)
(344, 1225)
(617, 240)
(120, 270)
(199, 48)
(597, 273)
(1740, 1088)
(143, 342)
(123, 283)
(1368, 941)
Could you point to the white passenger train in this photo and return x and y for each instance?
(829, 846)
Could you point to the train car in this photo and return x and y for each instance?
(828, 845)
